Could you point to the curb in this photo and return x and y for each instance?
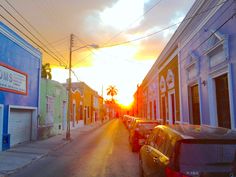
(6, 173)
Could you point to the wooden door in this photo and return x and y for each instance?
(195, 106)
(222, 101)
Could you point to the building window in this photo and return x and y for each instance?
(170, 79)
(162, 84)
(81, 112)
(163, 109)
(217, 50)
(155, 109)
(49, 110)
(216, 56)
(150, 109)
(192, 66)
(172, 106)
(88, 112)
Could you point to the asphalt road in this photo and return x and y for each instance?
(103, 152)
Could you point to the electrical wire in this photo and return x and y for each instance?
(182, 60)
(116, 35)
(54, 57)
(159, 31)
(58, 60)
(213, 33)
(162, 30)
(60, 41)
(122, 43)
(31, 27)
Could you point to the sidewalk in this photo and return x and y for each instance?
(24, 154)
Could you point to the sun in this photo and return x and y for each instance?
(127, 103)
(110, 66)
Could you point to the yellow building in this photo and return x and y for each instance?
(86, 104)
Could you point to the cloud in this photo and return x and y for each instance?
(100, 21)
(121, 14)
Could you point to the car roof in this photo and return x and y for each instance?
(145, 120)
(199, 131)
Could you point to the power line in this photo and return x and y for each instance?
(31, 27)
(55, 56)
(168, 27)
(60, 62)
(59, 41)
(86, 44)
(214, 32)
(75, 75)
(126, 42)
(113, 37)
(149, 35)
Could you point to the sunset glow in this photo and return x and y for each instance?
(109, 67)
(105, 23)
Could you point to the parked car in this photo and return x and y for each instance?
(188, 151)
(139, 132)
(127, 119)
(132, 123)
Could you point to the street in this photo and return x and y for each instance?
(102, 152)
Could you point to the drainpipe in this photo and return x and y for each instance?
(39, 96)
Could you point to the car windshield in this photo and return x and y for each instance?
(207, 154)
(148, 125)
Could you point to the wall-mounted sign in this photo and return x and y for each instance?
(13, 80)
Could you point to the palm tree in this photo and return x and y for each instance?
(112, 90)
(46, 71)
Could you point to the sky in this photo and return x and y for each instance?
(118, 27)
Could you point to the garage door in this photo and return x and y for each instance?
(19, 126)
(1, 126)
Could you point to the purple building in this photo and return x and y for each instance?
(207, 62)
(195, 74)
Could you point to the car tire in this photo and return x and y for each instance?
(140, 169)
(134, 147)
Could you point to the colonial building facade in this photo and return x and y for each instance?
(85, 105)
(195, 75)
(208, 66)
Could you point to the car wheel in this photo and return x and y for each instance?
(140, 169)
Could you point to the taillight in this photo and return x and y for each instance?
(171, 173)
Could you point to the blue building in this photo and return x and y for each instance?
(20, 72)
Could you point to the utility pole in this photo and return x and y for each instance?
(68, 137)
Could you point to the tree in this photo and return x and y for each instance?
(46, 71)
(112, 91)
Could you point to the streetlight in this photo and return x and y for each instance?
(69, 82)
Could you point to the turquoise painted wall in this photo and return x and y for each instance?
(57, 92)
